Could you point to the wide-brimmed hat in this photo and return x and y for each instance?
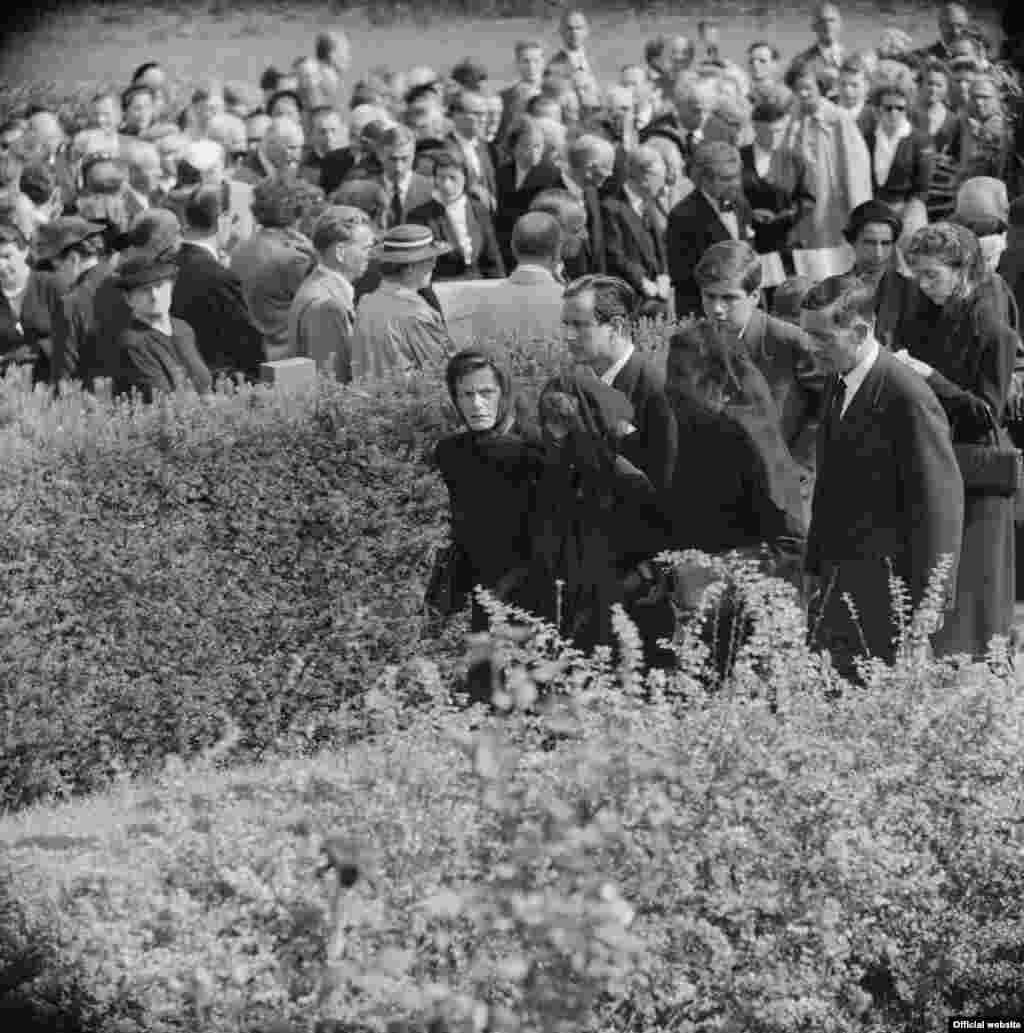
(140, 266)
(868, 212)
(405, 244)
(55, 237)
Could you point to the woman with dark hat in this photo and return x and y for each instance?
(489, 468)
(965, 350)
(595, 517)
(27, 297)
(157, 352)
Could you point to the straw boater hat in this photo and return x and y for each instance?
(406, 244)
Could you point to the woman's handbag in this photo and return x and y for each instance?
(992, 467)
(445, 593)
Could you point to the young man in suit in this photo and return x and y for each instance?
(469, 113)
(634, 247)
(827, 54)
(596, 314)
(520, 180)
(462, 221)
(406, 188)
(713, 212)
(530, 65)
(207, 295)
(322, 317)
(889, 495)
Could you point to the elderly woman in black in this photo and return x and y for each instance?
(595, 518)
(965, 350)
(26, 299)
(489, 468)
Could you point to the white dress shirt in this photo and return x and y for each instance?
(729, 219)
(885, 150)
(762, 161)
(472, 156)
(856, 376)
(457, 212)
(636, 202)
(609, 375)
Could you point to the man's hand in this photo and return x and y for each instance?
(664, 286)
(1015, 399)
(649, 287)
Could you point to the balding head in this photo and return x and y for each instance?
(206, 159)
(45, 129)
(571, 214)
(282, 144)
(537, 239)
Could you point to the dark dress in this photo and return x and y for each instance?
(789, 206)
(972, 352)
(150, 361)
(26, 340)
(490, 478)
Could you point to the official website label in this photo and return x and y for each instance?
(965, 1023)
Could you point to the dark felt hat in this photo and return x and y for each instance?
(871, 211)
(140, 266)
(55, 237)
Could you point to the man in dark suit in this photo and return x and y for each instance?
(827, 54)
(328, 159)
(634, 247)
(209, 296)
(530, 65)
(889, 494)
(461, 221)
(714, 212)
(520, 180)
(469, 113)
(406, 189)
(591, 165)
(596, 314)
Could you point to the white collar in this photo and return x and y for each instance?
(856, 376)
(206, 246)
(340, 279)
(636, 201)
(609, 375)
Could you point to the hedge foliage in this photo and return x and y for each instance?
(600, 855)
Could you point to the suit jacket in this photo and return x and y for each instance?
(418, 193)
(592, 257)
(693, 226)
(524, 310)
(911, 172)
(486, 260)
(209, 298)
(513, 104)
(513, 201)
(827, 65)
(653, 446)
(485, 179)
(633, 247)
(321, 322)
(27, 339)
(271, 266)
(889, 490)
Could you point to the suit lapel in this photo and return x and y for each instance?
(859, 413)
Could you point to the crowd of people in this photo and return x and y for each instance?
(843, 420)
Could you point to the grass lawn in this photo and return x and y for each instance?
(93, 42)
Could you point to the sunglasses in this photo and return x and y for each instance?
(894, 107)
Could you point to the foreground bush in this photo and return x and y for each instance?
(608, 854)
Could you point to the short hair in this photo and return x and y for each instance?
(269, 79)
(614, 299)
(655, 48)
(537, 235)
(396, 136)
(458, 101)
(887, 86)
(732, 261)
(806, 66)
(281, 203)
(855, 64)
(933, 65)
(762, 44)
(712, 152)
(525, 126)
(337, 225)
(469, 74)
(591, 147)
(849, 299)
(280, 95)
(11, 234)
(788, 297)
(37, 182)
(449, 158)
(534, 105)
(132, 91)
(527, 44)
(105, 95)
(146, 66)
(569, 12)
(642, 159)
(203, 208)
(365, 194)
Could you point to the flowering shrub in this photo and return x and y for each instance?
(602, 851)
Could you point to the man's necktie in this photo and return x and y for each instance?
(726, 206)
(396, 206)
(838, 400)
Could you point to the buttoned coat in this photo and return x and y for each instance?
(911, 173)
(634, 249)
(888, 492)
(209, 298)
(693, 226)
(486, 258)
